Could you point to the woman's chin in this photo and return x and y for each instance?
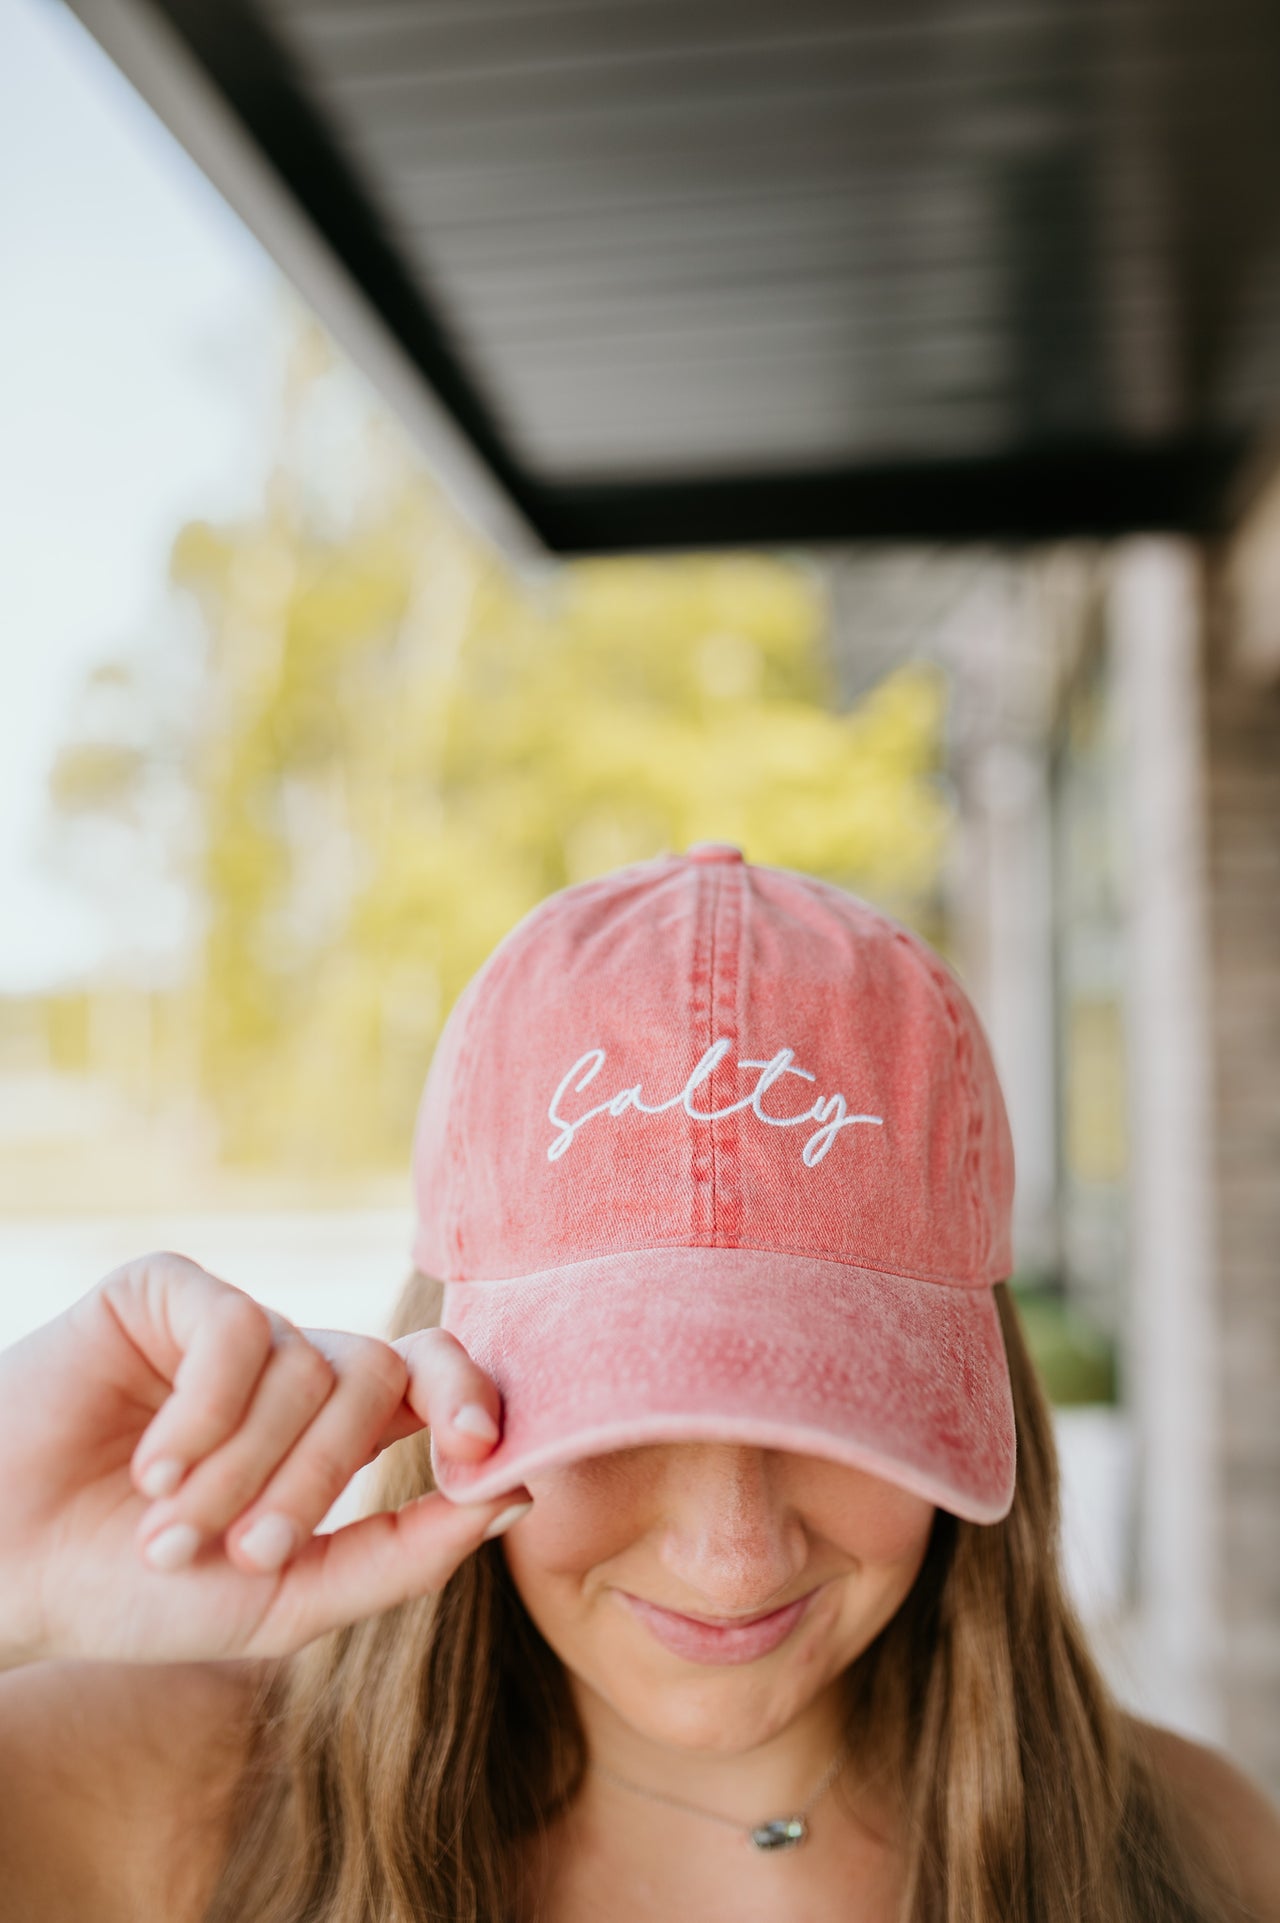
(724, 1715)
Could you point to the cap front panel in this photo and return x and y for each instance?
(698, 1052)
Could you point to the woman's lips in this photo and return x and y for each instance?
(699, 1641)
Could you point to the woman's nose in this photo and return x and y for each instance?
(731, 1538)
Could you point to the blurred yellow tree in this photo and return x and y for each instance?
(402, 746)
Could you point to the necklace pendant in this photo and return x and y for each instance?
(783, 1833)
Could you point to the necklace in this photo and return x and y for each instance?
(776, 1833)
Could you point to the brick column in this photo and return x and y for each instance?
(1243, 809)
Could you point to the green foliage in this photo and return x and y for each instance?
(1077, 1362)
(401, 747)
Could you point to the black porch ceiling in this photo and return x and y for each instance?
(717, 271)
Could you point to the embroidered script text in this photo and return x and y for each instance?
(831, 1112)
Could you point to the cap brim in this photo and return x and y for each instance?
(904, 1378)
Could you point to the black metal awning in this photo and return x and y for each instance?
(703, 272)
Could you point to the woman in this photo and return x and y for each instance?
(738, 1593)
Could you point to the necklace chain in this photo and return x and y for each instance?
(782, 1831)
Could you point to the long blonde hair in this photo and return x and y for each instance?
(401, 1770)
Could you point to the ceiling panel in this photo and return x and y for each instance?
(669, 262)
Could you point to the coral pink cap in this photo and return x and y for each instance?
(711, 1150)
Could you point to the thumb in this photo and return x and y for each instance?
(375, 1563)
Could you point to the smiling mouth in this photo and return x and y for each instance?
(718, 1639)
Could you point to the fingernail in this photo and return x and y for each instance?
(160, 1478)
(503, 1522)
(269, 1543)
(174, 1547)
(476, 1421)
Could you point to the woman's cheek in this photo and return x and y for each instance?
(870, 1520)
(582, 1516)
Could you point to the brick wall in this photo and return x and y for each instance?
(1243, 801)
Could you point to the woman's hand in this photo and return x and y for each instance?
(167, 1447)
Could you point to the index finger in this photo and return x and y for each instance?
(447, 1393)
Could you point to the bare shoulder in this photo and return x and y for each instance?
(1228, 1808)
(115, 1782)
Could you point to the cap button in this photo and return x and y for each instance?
(713, 851)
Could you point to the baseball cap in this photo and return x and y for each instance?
(714, 1150)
